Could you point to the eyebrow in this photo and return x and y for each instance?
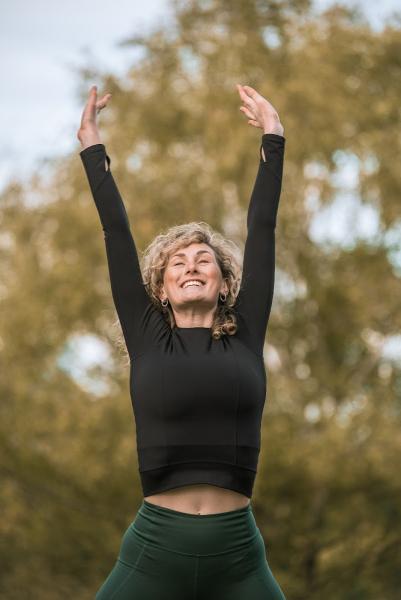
(182, 253)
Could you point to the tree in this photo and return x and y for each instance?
(326, 493)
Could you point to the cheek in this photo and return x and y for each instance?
(170, 279)
(215, 275)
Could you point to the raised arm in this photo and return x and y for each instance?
(255, 297)
(129, 294)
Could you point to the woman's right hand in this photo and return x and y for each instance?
(88, 133)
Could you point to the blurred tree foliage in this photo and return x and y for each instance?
(327, 494)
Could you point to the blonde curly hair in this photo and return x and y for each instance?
(154, 261)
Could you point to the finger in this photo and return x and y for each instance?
(246, 98)
(250, 91)
(247, 112)
(239, 87)
(90, 107)
(103, 101)
(241, 91)
(256, 96)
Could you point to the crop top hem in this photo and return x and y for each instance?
(223, 475)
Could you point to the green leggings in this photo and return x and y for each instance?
(167, 554)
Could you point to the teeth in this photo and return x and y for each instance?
(192, 282)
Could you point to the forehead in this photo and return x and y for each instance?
(193, 250)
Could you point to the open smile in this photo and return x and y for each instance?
(191, 283)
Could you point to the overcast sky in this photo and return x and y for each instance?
(43, 42)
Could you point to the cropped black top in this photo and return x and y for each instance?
(197, 402)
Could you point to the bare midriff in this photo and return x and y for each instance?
(200, 499)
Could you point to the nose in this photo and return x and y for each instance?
(192, 267)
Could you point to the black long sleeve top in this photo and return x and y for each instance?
(197, 401)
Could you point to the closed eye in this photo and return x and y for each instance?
(180, 263)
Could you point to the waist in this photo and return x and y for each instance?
(200, 499)
(178, 531)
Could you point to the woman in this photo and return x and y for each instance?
(194, 332)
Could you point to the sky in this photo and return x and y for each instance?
(43, 44)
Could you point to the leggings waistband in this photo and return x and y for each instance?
(214, 516)
(188, 533)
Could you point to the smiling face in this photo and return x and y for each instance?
(189, 298)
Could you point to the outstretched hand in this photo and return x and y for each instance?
(88, 131)
(259, 111)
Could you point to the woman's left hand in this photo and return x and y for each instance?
(259, 110)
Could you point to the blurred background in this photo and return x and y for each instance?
(327, 494)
